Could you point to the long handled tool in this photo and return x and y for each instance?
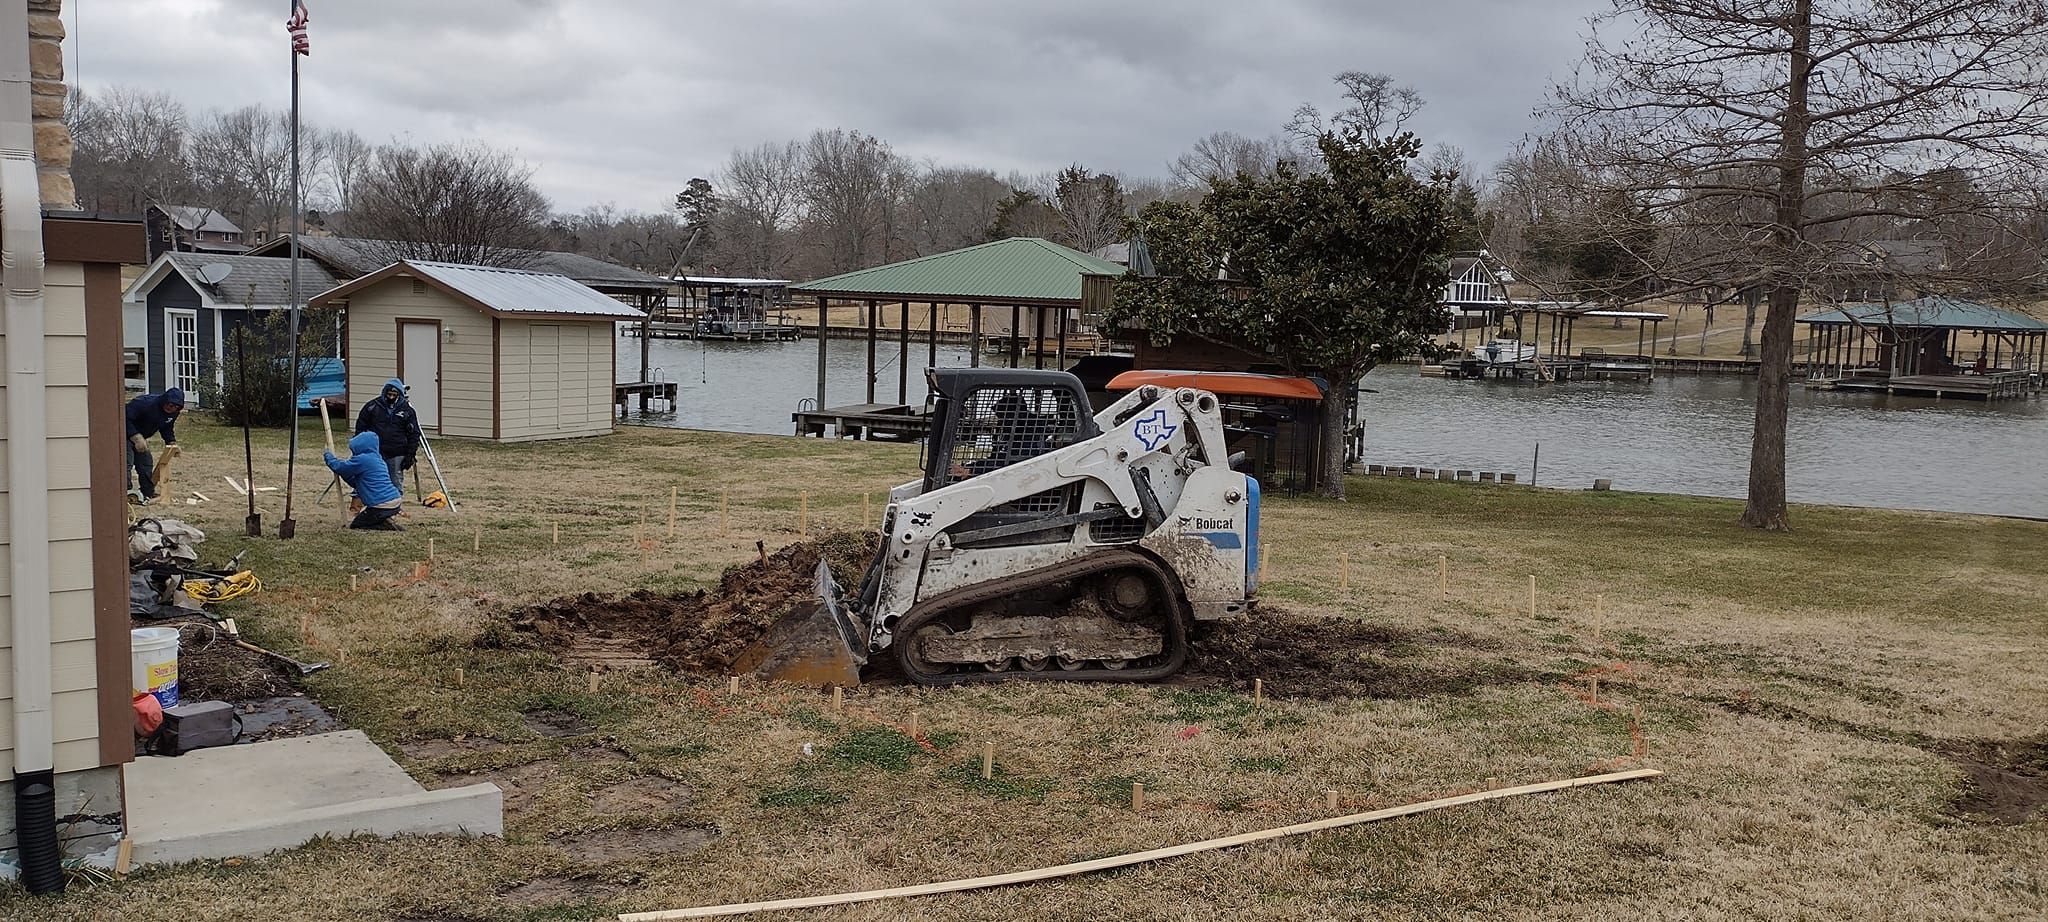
(253, 524)
(429, 449)
(328, 428)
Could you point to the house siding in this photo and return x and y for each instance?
(373, 315)
(174, 293)
(75, 704)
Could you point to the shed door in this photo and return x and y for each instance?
(419, 358)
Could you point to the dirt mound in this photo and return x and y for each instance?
(2008, 779)
(1301, 657)
(703, 631)
(210, 668)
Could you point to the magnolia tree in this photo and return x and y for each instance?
(1330, 271)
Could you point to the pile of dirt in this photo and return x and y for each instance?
(1303, 657)
(703, 631)
(210, 668)
(2008, 779)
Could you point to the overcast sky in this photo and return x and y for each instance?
(622, 101)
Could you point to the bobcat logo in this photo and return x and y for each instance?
(1154, 430)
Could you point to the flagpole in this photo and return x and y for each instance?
(288, 527)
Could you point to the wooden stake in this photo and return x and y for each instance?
(1532, 595)
(671, 512)
(724, 511)
(476, 541)
(351, 582)
(306, 629)
(732, 685)
(1134, 858)
(124, 857)
(430, 550)
(1344, 570)
(1595, 680)
(988, 760)
(460, 679)
(1330, 800)
(803, 514)
(1599, 613)
(341, 657)
(913, 725)
(1137, 795)
(593, 681)
(838, 699)
(1258, 691)
(1443, 576)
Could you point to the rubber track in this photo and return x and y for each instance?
(914, 667)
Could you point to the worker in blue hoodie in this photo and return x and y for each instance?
(150, 414)
(366, 471)
(398, 429)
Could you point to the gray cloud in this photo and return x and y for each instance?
(623, 100)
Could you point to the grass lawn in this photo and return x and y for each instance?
(1820, 701)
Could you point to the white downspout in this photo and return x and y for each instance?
(28, 475)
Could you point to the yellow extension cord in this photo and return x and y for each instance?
(214, 591)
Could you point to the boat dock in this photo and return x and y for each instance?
(1992, 386)
(647, 391)
(877, 422)
(774, 328)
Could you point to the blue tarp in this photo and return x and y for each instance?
(326, 378)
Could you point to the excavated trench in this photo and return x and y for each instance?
(707, 631)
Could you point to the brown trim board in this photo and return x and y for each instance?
(109, 515)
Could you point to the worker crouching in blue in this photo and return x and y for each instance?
(366, 471)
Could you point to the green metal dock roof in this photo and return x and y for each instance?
(1939, 313)
(1019, 270)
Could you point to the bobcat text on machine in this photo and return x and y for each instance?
(1041, 543)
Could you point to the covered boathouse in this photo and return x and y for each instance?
(1928, 347)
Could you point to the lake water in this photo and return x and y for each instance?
(1678, 434)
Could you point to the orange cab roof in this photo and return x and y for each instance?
(1227, 383)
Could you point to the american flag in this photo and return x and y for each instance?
(297, 26)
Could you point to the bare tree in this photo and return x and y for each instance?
(1374, 108)
(1091, 208)
(130, 151)
(1751, 130)
(450, 203)
(952, 207)
(762, 199)
(1226, 155)
(242, 159)
(847, 186)
(345, 157)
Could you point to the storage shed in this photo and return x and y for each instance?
(500, 354)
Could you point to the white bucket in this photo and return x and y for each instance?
(153, 660)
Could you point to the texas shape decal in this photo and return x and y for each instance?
(1153, 430)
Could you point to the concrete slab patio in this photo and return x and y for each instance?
(237, 801)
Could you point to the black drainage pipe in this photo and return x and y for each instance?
(35, 829)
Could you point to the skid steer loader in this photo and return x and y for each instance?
(1041, 543)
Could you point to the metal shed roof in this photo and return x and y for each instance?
(197, 218)
(502, 292)
(1022, 270)
(1941, 313)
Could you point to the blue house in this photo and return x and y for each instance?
(189, 305)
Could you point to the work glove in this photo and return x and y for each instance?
(170, 445)
(406, 464)
(138, 443)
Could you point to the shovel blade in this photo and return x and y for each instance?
(253, 526)
(816, 643)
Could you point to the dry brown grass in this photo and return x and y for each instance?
(1798, 689)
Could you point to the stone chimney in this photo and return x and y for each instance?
(53, 138)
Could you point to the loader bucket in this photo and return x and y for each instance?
(815, 643)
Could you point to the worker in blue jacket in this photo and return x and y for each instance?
(366, 471)
(150, 414)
